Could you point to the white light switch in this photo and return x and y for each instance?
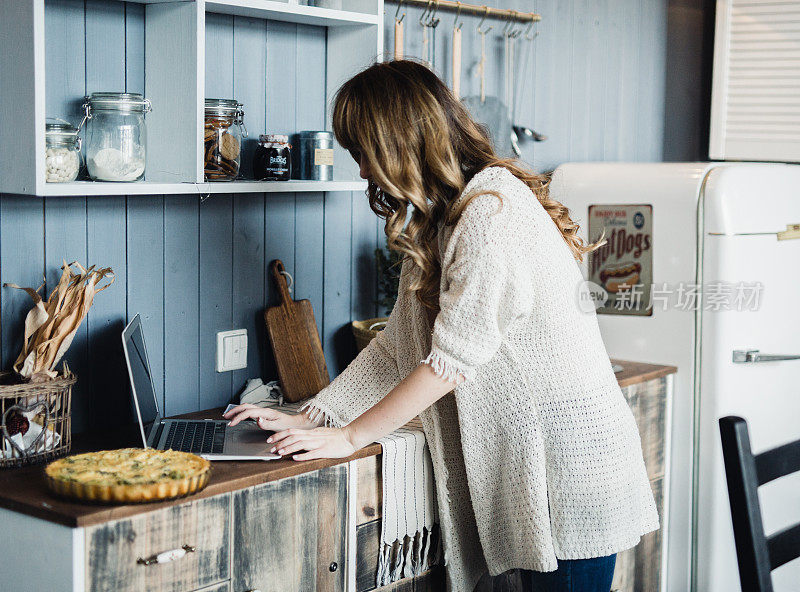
(231, 350)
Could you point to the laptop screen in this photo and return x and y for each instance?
(141, 378)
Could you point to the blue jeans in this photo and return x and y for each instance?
(573, 575)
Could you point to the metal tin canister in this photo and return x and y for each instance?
(314, 155)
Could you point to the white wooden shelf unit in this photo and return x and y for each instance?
(175, 84)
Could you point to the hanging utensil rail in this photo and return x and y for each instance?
(475, 9)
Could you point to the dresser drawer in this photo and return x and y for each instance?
(113, 550)
(290, 535)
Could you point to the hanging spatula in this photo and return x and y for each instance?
(295, 342)
(398, 33)
(456, 55)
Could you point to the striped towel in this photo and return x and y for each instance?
(409, 505)
(409, 543)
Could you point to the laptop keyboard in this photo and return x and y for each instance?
(199, 437)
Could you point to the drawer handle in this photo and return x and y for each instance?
(166, 556)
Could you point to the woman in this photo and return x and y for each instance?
(537, 459)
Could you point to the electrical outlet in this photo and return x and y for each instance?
(231, 350)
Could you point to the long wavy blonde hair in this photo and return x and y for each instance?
(422, 146)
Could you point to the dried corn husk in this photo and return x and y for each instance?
(50, 326)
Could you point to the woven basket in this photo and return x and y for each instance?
(52, 401)
(364, 331)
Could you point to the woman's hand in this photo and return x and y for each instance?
(267, 419)
(318, 443)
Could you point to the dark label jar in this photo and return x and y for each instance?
(272, 160)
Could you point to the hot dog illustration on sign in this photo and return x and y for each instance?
(623, 266)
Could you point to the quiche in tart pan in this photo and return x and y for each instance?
(128, 475)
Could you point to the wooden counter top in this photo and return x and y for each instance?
(23, 490)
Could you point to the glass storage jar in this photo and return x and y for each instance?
(116, 136)
(63, 151)
(272, 160)
(224, 131)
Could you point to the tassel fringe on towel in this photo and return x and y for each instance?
(410, 558)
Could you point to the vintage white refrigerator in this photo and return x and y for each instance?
(715, 229)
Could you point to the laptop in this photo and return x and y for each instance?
(210, 438)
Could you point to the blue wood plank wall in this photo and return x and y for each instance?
(593, 84)
(592, 81)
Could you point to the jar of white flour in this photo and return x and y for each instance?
(116, 136)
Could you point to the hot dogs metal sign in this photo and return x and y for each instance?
(623, 266)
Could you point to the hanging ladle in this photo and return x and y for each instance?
(521, 131)
(510, 35)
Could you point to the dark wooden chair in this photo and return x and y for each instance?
(757, 553)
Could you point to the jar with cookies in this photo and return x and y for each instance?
(224, 131)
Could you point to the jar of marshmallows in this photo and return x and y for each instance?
(63, 151)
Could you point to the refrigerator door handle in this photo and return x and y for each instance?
(748, 356)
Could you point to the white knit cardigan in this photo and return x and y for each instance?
(536, 455)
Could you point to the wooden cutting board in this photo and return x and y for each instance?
(295, 342)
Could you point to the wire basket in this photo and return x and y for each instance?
(45, 408)
(365, 331)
